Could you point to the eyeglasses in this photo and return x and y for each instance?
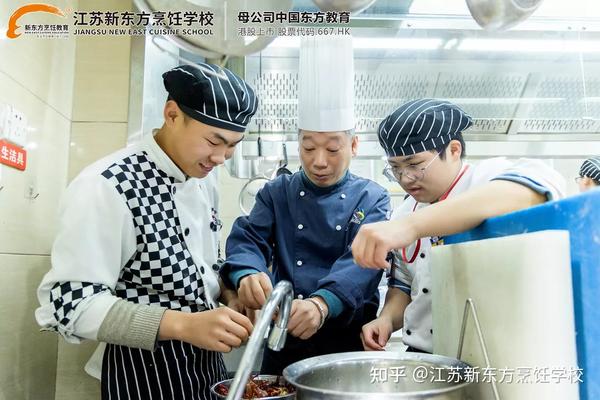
(578, 179)
(412, 173)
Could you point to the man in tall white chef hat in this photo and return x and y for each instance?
(303, 224)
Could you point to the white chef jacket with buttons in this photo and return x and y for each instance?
(132, 227)
(415, 279)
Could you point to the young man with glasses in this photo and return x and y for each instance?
(445, 195)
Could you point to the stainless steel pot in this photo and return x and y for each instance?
(358, 375)
(223, 40)
(269, 378)
(501, 14)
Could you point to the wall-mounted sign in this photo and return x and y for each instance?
(12, 155)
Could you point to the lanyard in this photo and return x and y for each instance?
(442, 198)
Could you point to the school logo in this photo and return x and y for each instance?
(13, 25)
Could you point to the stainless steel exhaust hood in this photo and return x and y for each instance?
(532, 91)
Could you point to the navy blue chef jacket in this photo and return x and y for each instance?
(305, 232)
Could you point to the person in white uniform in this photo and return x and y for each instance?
(133, 260)
(445, 195)
(589, 174)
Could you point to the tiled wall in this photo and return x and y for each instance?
(74, 94)
(27, 356)
(99, 127)
(101, 92)
(36, 79)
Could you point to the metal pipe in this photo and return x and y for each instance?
(282, 296)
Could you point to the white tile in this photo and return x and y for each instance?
(92, 141)
(28, 226)
(72, 382)
(27, 356)
(101, 88)
(43, 66)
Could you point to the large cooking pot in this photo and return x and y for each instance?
(223, 38)
(360, 375)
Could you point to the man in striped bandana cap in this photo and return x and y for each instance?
(422, 125)
(445, 195)
(589, 174)
(133, 264)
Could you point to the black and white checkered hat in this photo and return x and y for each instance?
(591, 168)
(210, 98)
(421, 125)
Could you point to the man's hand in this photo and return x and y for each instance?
(233, 301)
(376, 334)
(217, 330)
(305, 318)
(457, 214)
(374, 241)
(230, 298)
(254, 290)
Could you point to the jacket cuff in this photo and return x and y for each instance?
(132, 325)
(397, 283)
(334, 304)
(236, 276)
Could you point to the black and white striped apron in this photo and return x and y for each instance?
(176, 370)
(162, 272)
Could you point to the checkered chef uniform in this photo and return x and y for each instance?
(134, 227)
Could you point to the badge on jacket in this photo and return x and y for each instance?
(358, 216)
(436, 241)
(215, 224)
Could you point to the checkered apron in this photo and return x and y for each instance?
(161, 272)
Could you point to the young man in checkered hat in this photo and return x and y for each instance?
(445, 195)
(132, 263)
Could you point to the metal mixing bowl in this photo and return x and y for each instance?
(268, 378)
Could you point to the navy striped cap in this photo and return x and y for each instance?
(591, 168)
(209, 98)
(421, 125)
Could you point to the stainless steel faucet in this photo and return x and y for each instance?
(282, 296)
